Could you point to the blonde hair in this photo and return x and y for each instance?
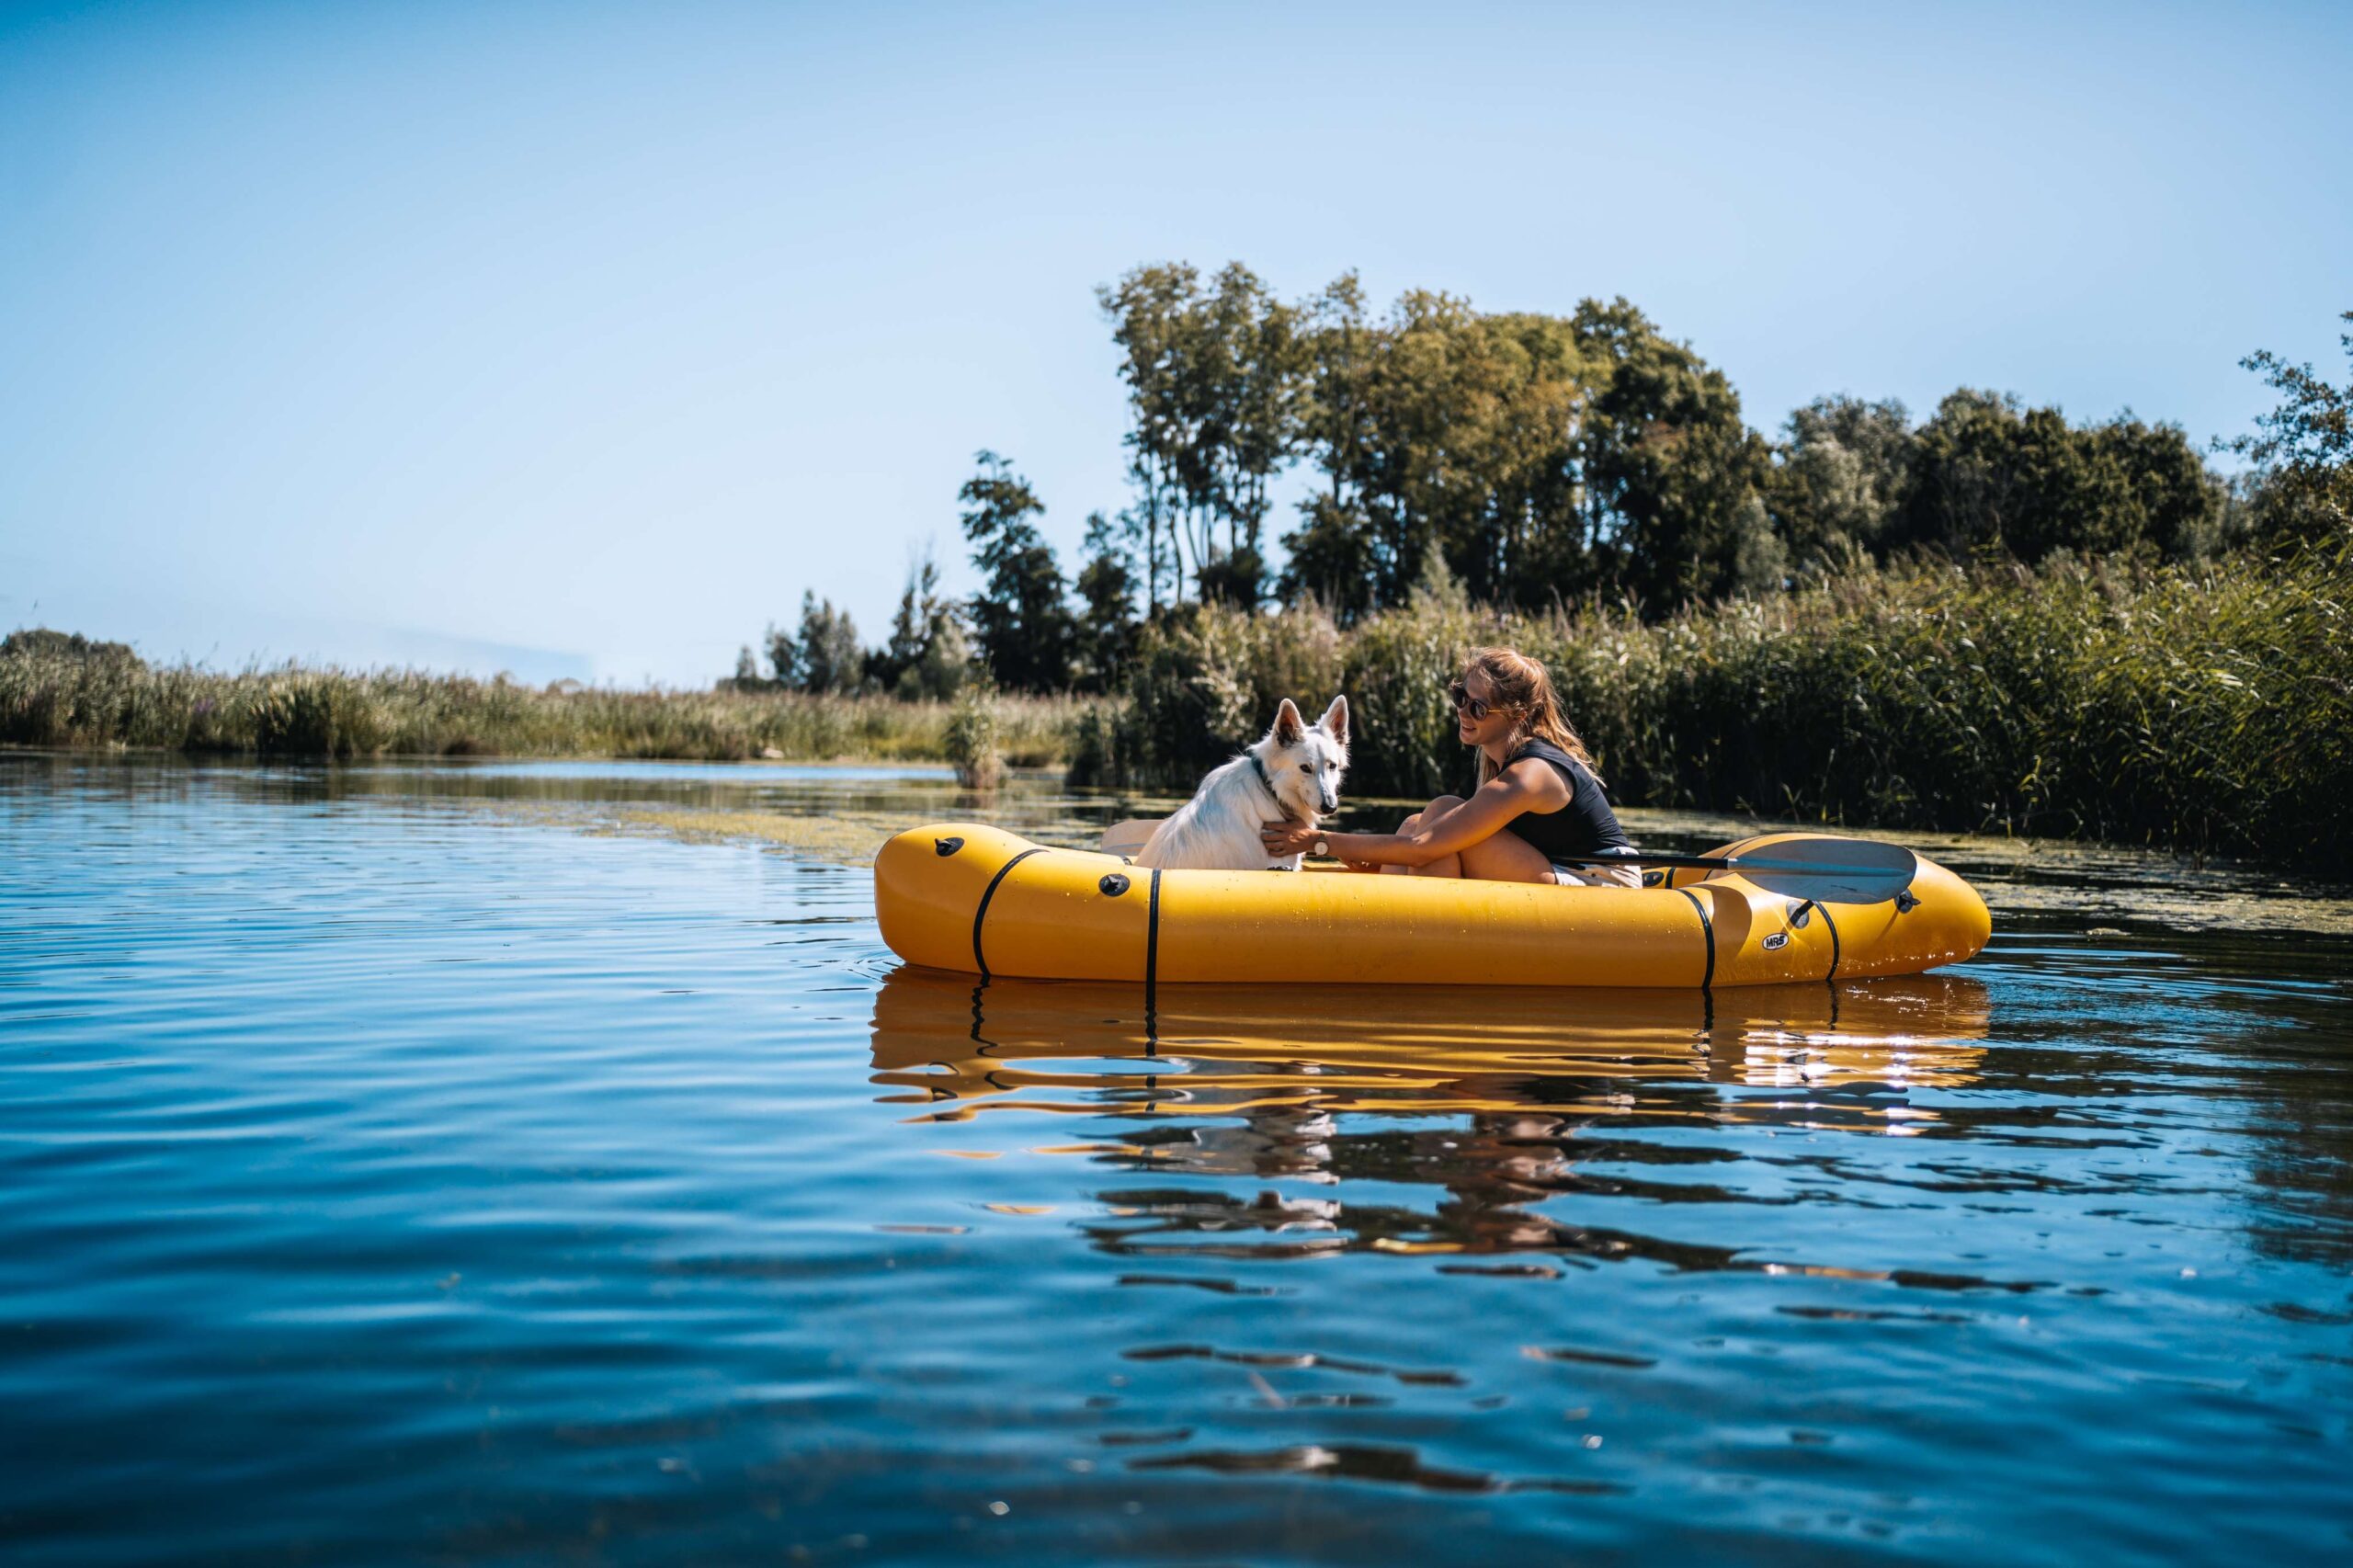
(1522, 685)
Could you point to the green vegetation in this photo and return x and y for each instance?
(973, 739)
(1543, 461)
(1994, 618)
(2303, 453)
(54, 695)
(2207, 706)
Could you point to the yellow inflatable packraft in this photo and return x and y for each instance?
(963, 896)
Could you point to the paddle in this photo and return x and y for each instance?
(1830, 870)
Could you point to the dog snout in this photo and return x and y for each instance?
(1331, 803)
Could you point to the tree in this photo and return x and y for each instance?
(784, 654)
(1154, 313)
(1672, 477)
(1106, 586)
(1333, 559)
(2304, 454)
(928, 655)
(2157, 488)
(1989, 475)
(1438, 426)
(830, 659)
(1018, 618)
(1840, 477)
(1215, 376)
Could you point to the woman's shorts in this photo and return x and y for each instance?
(1600, 875)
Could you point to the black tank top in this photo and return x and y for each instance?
(1585, 827)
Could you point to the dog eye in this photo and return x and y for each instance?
(1306, 767)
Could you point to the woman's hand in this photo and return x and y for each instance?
(1285, 837)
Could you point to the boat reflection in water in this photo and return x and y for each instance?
(1075, 1046)
(1499, 1096)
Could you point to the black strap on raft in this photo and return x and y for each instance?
(982, 914)
(1807, 909)
(1708, 929)
(1152, 951)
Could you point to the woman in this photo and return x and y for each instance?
(1538, 805)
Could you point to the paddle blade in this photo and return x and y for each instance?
(1831, 870)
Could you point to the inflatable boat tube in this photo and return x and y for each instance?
(966, 897)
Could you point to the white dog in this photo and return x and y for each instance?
(1293, 771)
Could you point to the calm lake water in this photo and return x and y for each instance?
(406, 1164)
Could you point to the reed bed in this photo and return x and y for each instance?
(60, 699)
(2205, 708)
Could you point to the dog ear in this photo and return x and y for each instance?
(1289, 725)
(1334, 722)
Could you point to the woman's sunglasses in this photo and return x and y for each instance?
(1460, 695)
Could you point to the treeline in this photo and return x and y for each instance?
(1536, 461)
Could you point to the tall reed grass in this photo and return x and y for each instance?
(55, 698)
(2207, 708)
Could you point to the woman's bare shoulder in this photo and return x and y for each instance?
(1533, 776)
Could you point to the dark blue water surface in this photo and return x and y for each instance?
(389, 1172)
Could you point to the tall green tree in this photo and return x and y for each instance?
(1333, 554)
(1019, 620)
(1839, 477)
(2302, 452)
(1440, 427)
(783, 646)
(1215, 376)
(1992, 476)
(1106, 593)
(1155, 314)
(928, 656)
(827, 658)
(1674, 478)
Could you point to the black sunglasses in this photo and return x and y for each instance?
(1460, 695)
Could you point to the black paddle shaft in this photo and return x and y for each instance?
(1636, 857)
(1836, 870)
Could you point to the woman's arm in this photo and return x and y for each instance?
(1506, 795)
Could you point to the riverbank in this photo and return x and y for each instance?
(62, 700)
(2203, 708)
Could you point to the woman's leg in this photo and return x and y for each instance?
(1505, 857)
(1445, 865)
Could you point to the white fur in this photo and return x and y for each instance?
(1217, 830)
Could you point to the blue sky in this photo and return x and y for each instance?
(580, 339)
